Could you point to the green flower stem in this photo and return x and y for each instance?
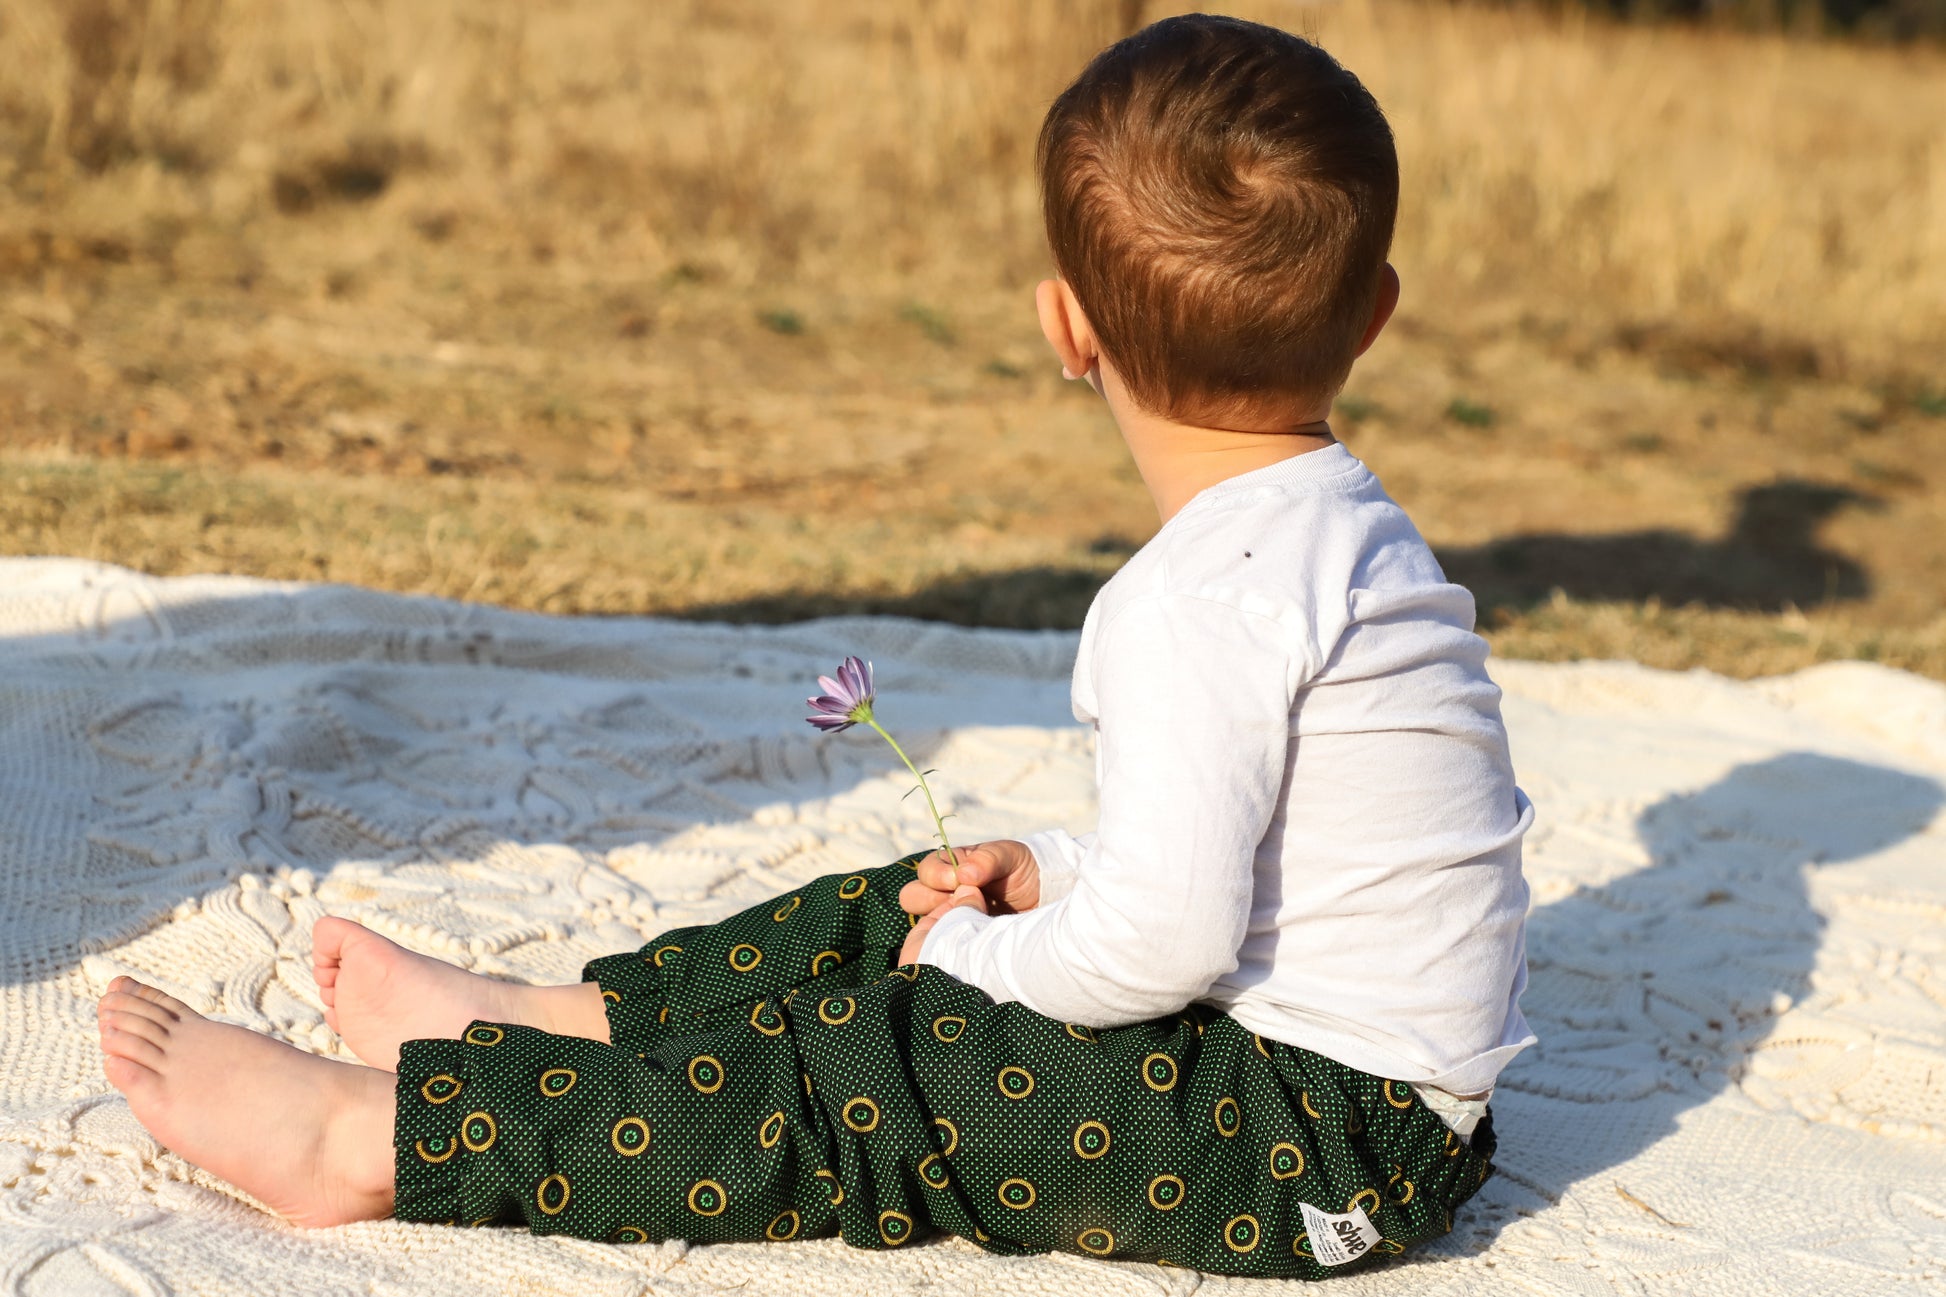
(937, 821)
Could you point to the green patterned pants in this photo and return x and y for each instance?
(774, 1076)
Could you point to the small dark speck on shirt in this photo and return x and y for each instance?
(1246, 553)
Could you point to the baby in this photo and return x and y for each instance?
(1249, 1025)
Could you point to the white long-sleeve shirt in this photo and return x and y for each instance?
(1307, 809)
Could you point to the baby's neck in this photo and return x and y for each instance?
(1177, 460)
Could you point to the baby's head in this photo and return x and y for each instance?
(1219, 199)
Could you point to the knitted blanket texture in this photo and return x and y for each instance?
(1738, 942)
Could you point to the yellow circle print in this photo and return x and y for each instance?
(1159, 1073)
(1084, 1034)
(1400, 1189)
(440, 1088)
(765, 1018)
(557, 1081)
(1286, 1161)
(836, 1012)
(1304, 1101)
(933, 1171)
(1015, 1082)
(948, 1028)
(745, 957)
(1399, 1094)
(784, 1227)
(630, 1136)
(946, 1131)
(1242, 1234)
(551, 1195)
(853, 888)
(485, 1036)
(772, 1130)
(1228, 1117)
(660, 951)
(1091, 1140)
(435, 1150)
(629, 1234)
(1095, 1242)
(861, 1114)
(611, 997)
(706, 1198)
(1016, 1193)
(895, 1227)
(787, 909)
(824, 961)
(832, 1189)
(1359, 1199)
(706, 1074)
(478, 1131)
(1166, 1191)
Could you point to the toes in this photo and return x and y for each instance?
(330, 936)
(136, 1024)
(135, 1005)
(126, 1075)
(134, 1049)
(161, 1000)
(328, 942)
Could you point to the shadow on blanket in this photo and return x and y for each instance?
(165, 749)
(1651, 991)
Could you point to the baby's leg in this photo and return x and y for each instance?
(310, 1138)
(836, 931)
(698, 1122)
(378, 995)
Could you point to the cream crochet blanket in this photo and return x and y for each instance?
(1739, 960)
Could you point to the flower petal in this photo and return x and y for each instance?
(829, 724)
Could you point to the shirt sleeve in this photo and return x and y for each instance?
(1058, 853)
(1194, 704)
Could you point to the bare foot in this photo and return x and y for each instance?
(378, 995)
(310, 1138)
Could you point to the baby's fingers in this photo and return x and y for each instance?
(917, 898)
(936, 872)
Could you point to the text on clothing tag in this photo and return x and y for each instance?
(1338, 1239)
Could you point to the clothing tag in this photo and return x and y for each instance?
(1338, 1239)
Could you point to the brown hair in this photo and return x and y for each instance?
(1220, 195)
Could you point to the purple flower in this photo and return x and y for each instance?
(846, 701)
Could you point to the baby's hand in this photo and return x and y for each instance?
(966, 895)
(1008, 876)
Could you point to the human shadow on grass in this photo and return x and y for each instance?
(1770, 555)
(1649, 992)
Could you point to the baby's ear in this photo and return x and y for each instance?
(1386, 303)
(1065, 326)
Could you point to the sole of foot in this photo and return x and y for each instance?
(308, 1137)
(378, 995)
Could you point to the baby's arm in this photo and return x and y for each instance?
(1194, 703)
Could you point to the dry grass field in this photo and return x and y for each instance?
(723, 308)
